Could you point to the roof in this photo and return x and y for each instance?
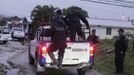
(110, 23)
(29, 19)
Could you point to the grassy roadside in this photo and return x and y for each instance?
(104, 63)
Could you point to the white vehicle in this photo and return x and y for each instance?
(5, 35)
(79, 54)
(18, 33)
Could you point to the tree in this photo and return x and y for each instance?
(15, 18)
(3, 22)
(72, 8)
(41, 14)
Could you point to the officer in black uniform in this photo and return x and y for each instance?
(121, 46)
(73, 21)
(93, 38)
(58, 36)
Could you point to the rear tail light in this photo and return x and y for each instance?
(91, 56)
(91, 51)
(43, 51)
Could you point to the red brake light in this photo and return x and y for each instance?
(91, 56)
(91, 48)
(43, 48)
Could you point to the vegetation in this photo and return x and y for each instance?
(2, 22)
(105, 62)
(41, 14)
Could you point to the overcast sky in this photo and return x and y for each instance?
(23, 8)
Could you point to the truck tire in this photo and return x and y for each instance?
(4, 42)
(37, 66)
(30, 58)
(81, 72)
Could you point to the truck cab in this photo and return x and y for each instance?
(79, 53)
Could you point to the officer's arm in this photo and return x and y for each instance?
(98, 39)
(88, 38)
(84, 20)
(125, 44)
(66, 20)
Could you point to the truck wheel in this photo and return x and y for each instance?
(4, 42)
(39, 70)
(30, 59)
(81, 72)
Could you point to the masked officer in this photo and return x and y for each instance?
(121, 46)
(73, 21)
(58, 36)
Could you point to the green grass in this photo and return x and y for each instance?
(104, 63)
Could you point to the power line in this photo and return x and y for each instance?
(124, 1)
(119, 2)
(105, 2)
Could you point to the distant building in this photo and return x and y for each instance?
(23, 23)
(107, 29)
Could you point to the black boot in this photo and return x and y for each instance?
(53, 58)
(60, 59)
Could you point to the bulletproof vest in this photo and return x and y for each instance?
(59, 23)
(59, 28)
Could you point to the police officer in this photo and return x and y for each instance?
(93, 38)
(58, 36)
(121, 46)
(73, 21)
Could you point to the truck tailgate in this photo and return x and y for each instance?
(75, 53)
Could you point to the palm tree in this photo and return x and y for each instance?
(42, 13)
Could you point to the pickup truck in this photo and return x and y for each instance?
(18, 33)
(5, 35)
(79, 53)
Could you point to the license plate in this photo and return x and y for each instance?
(78, 50)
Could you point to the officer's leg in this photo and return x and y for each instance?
(52, 48)
(122, 62)
(80, 33)
(117, 63)
(72, 34)
(61, 54)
